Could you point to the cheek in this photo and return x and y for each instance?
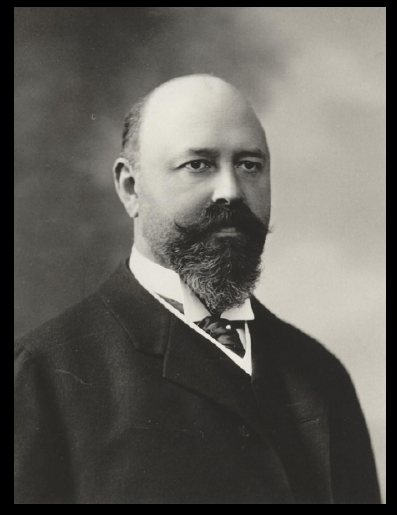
(187, 195)
(187, 209)
(258, 199)
(171, 202)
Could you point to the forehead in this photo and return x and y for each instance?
(217, 118)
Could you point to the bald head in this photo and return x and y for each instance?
(165, 110)
(193, 93)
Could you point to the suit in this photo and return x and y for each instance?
(119, 402)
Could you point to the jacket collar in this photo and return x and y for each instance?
(195, 362)
(143, 318)
(192, 362)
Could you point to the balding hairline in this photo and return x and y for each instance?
(134, 119)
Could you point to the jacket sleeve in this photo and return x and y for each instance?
(40, 467)
(353, 469)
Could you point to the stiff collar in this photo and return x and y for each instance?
(168, 284)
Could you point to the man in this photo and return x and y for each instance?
(172, 384)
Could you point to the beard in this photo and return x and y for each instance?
(221, 270)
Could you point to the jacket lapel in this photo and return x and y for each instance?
(190, 360)
(193, 362)
(143, 318)
(293, 409)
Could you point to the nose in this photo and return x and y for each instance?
(227, 188)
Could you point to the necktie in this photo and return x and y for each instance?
(220, 329)
(223, 331)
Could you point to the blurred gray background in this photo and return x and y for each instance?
(316, 76)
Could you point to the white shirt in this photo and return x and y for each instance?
(158, 280)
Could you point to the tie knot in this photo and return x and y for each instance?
(224, 331)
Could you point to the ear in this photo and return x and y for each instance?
(125, 183)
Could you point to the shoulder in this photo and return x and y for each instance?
(86, 321)
(91, 336)
(299, 352)
(78, 322)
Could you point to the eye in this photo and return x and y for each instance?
(250, 166)
(197, 166)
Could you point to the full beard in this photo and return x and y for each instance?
(222, 270)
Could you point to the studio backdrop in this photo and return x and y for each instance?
(315, 75)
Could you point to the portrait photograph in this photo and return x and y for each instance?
(200, 255)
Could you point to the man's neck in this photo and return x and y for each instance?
(144, 249)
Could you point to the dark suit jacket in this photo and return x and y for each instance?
(120, 402)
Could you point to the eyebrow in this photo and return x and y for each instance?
(255, 152)
(206, 152)
(213, 154)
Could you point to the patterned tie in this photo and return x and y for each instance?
(223, 331)
(220, 329)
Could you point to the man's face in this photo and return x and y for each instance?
(199, 149)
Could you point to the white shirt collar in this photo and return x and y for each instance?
(167, 283)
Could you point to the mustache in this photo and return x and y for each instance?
(215, 216)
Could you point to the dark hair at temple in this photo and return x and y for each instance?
(132, 125)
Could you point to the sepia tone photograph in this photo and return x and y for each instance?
(199, 255)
